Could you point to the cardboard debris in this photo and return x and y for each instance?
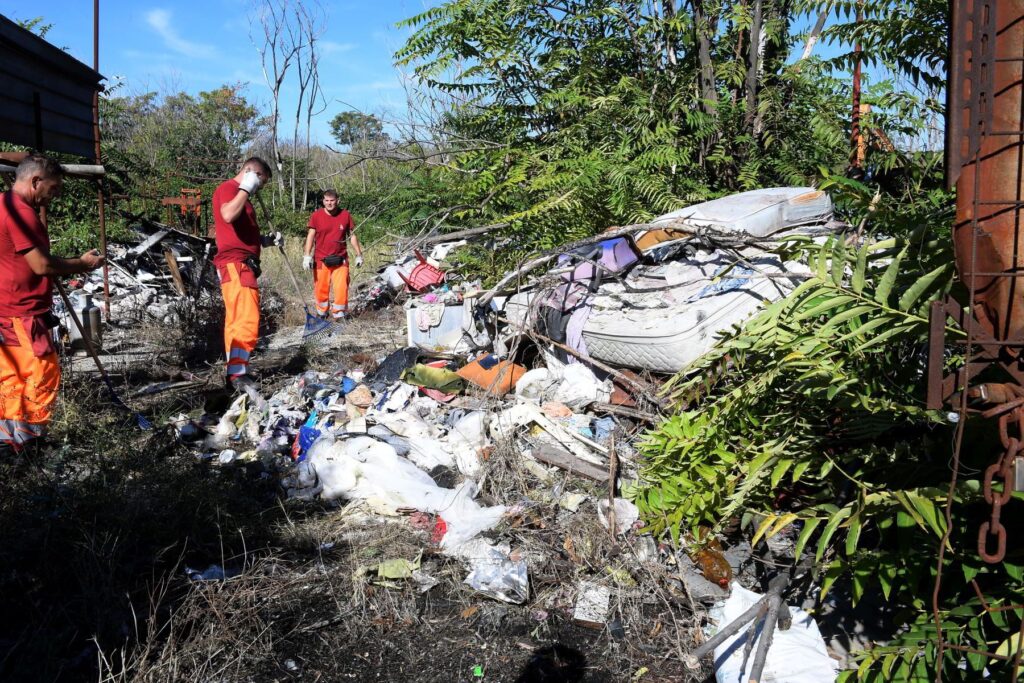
(592, 605)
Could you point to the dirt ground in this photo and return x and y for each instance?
(99, 530)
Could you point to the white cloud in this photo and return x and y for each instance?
(160, 21)
(329, 47)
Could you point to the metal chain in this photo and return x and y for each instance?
(1003, 469)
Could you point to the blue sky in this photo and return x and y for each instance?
(194, 45)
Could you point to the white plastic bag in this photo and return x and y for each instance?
(579, 387)
(797, 655)
(366, 469)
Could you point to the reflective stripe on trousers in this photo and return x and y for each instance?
(241, 321)
(19, 432)
(28, 388)
(331, 289)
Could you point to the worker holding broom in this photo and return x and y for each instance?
(238, 266)
(326, 254)
(29, 367)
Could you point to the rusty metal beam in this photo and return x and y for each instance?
(986, 156)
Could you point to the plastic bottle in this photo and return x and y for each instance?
(710, 560)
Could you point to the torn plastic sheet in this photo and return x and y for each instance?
(797, 655)
(626, 514)
(497, 576)
(425, 448)
(366, 469)
(466, 439)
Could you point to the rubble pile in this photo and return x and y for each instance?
(149, 276)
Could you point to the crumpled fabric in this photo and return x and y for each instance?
(441, 379)
(429, 315)
(574, 332)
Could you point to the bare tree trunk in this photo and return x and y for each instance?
(738, 54)
(669, 11)
(278, 46)
(702, 26)
(310, 27)
(754, 49)
(314, 93)
(815, 32)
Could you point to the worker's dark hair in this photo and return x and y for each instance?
(38, 165)
(261, 162)
(330, 193)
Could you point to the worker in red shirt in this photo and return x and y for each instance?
(328, 231)
(238, 266)
(29, 368)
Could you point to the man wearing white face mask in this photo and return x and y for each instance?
(327, 256)
(238, 264)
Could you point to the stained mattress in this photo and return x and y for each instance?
(662, 319)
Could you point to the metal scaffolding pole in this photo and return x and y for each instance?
(98, 155)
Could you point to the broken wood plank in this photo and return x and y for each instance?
(624, 411)
(148, 243)
(551, 455)
(172, 265)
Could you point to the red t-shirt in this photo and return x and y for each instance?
(331, 233)
(238, 240)
(22, 292)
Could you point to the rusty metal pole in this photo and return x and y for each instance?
(99, 160)
(856, 143)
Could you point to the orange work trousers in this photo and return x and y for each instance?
(241, 316)
(325, 280)
(28, 386)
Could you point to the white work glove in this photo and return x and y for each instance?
(273, 239)
(359, 261)
(307, 262)
(250, 182)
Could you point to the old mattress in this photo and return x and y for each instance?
(757, 212)
(662, 319)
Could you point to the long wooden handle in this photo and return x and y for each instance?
(291, 272)
(284, 256)
(81, 330)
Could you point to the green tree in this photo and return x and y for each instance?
(575, 115)
(350, 128)
(180, 137)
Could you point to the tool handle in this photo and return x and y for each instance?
(284, 256)
(81, 330)
(291, 272)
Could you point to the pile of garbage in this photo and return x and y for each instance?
(649, 300)
(415, 435)
(543, 378)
